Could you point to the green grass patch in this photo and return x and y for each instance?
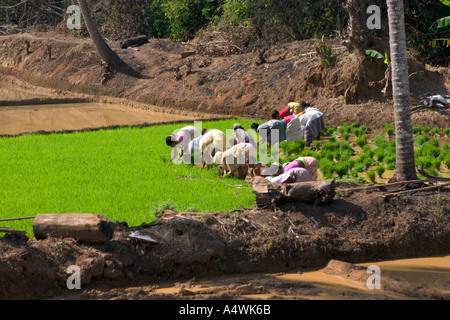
(123, 174)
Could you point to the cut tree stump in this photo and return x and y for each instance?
(269, 194)
(83, 227)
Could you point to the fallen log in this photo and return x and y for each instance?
(133, 42)
(269, 194)
(84, 227)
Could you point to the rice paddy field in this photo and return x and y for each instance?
(125, 174)
(122, 173)
(352, 153)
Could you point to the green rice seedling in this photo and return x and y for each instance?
(345, 136)
(390, 166)
(435, 131)
(389, 129)
(341, 169)
(380, 141)
(427, 162)
(445, 151)
(316, 144)
(417, 129)
(359, 167)
(389, 158)
(380, 170)
(357, 132)
(346, 155)
(337, 155)
(361, 141)
(121, 173)
(371, 176)
(420, 140)
(331, 131)
(426, 130)
(447, 132)
(309, 153)
(325, 154)
(447, 161)
(345, 146)
(368, 162)
(433, 172)
(354, 124)
(434, 142)
(292, 147)
(379, 155)
(436, 164)
(367, 150)
(326, 167)
(418, 162)
(428, 150)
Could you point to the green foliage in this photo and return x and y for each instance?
(361, 141)
(180, 19)
(345, 136)
(120, 173)
(371, 176)
(330, 131)
(357, 132)
(447, 161)
(417, 129)
(389, 129)
(374, 54)
(292, 147)
(390, 166)
(435, 131)
(420, 140)
(447, 132)
(380, 170)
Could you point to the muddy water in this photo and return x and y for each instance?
(430, 273)
(74, 116)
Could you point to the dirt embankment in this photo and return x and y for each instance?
(250, 85)
(358, 227)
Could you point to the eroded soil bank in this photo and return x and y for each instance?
(238, 85)
(356, 228)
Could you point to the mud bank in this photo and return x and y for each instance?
(238, 85)
(356, 228)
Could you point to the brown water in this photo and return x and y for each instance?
(74, 116)
(430, 272)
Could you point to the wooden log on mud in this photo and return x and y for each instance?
(133, 42)
(83, 227)
(269, 194)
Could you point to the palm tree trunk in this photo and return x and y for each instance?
(108, 56)
(405, 167)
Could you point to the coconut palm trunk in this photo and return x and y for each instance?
(405, 167)
(108, 56)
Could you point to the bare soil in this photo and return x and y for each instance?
(356, 227)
